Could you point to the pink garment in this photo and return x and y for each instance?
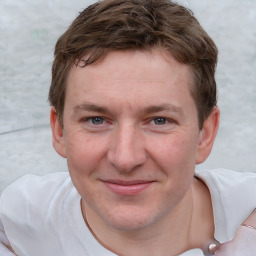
(241, 245)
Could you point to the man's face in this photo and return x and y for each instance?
(131, 136)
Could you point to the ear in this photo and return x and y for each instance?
(207, 136)
(57, 134)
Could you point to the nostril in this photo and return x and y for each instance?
(126, 161)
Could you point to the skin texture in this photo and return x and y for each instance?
(131, 138)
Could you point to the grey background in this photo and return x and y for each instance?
(29, 30)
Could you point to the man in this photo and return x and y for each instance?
(133, 98)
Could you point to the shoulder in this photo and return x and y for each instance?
(228, 184)
(228, 181)
(33, 208)
(32, 193)
(231, 192)
(42, 216)
(225, 174)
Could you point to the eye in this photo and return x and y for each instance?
(96, 120)
(159, 121)
(96, 123)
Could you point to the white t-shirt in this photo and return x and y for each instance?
(41, 216)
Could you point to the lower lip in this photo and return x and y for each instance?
(129, 190)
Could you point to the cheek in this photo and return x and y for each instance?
(84, 153)
(175, 150)
(175, 157)
(85, 156)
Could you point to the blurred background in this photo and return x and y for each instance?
(28, 32)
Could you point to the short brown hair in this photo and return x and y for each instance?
(137, 24)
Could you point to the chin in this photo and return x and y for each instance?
(131, 219)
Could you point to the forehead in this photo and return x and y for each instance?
(133, 64)
(132, 73)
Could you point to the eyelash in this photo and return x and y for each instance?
(165, 120)
(92, 121)
(97, 119)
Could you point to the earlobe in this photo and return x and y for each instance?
(57, 134)
(207, 135)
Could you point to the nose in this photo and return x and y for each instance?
(126, 151)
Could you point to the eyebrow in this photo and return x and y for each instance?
(163, 107)
(146, 111)
(91, 107)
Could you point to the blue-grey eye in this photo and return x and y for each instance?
(97, 120)
(159, 121)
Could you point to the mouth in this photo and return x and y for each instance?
(127, 188)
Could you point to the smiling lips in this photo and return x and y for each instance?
(127, 188)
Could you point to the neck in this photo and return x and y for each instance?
(179, 230)
(202, 225)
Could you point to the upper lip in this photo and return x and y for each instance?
(127, 182)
